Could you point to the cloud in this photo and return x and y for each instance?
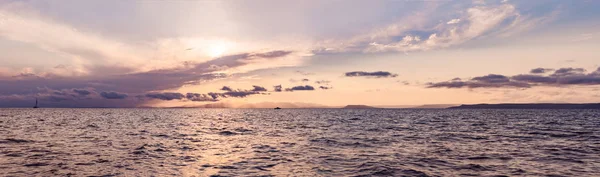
(201, 97)
(322, 82)
(84, 59)
(47, 94)
(208, 97)
(492, 78)
(277, 88)
(305, 73)
(475, 84)
(135, 83)
(376, 74)
(113, 95)
(258, 89)
(534, 78)
(568, 71)
(82, 92)
(561, 77)
(540, 70)
(453, 21)
(272, 54)
(324, 87)
(166, 96)
(305, 87)
(418, 33)
(301, 80)
(226, 88)
(239, 93)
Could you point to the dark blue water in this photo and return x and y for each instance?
(298, 142)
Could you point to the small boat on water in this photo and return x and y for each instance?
(36, 104)
(277, 108)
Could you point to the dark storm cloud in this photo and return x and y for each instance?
(258, 88)
(122, 81)
(166, 96)
(540, 70)
(305, 87)
(113, 95)
(376, 74)
(560, 77)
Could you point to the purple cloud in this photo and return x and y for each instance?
(540, 70)
(117, 83)
(273, 54)
(226, 88)
(305, 87)
(239, 93)
(560, 77)
(376, 74)
(492, 78)
(113, 95)
(568, 72)
(201, 97)
(166, 96)
(277, 88)
(82, 92)
(258, 89)
(323, 82)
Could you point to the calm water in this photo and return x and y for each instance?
(298, 142)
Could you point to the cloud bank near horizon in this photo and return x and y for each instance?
(560, 77)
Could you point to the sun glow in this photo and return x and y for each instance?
(217, 50)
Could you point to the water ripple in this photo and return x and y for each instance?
(298, 142)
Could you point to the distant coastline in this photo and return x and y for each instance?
(271, 105)
(530, 106)
(359, 107)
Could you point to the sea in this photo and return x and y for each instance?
(299, 142)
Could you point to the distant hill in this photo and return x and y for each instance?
(260, 105)
(530, 106)
(358, 107)
(435, 106)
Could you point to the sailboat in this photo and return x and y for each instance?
(36, 104)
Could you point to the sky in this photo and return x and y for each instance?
(264, 53)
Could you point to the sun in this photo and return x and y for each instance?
(217, 50)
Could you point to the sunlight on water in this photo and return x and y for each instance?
(298, 142)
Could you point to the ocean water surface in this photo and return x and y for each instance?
(299, 142)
